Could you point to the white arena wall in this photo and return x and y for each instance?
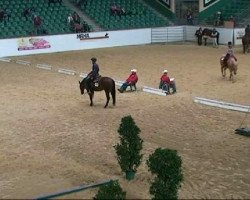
(70, 42)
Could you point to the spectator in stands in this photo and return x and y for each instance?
(86, 27)
(231, 19)
(247, 31)
(70, 20)
(1, 15)
(5, 17)
(7, 13)
(166, 83)
(189, 17)
(218, 19)
(78, 28)
(37, 23)
(120, 11)
(27, 13)
(76, 18)
(113, 9)
(131, 80)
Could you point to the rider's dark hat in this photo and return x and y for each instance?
(93, 59)
(229, 43)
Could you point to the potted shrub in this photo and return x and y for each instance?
(112, 190)
(166, 165)
(128, 150)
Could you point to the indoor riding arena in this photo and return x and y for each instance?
(51, 139)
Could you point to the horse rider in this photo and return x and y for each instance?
(92, 75)
(247, 31)
(166, 83)
(229, 53)
(198, 34)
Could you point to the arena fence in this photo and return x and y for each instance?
(93, 40)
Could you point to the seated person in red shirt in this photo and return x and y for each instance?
(131, 80)
(166, 83)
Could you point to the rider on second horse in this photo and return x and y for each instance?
(92, 75)
(229, 53)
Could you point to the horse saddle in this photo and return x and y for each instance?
(96, 81)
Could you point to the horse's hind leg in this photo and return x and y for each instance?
(108, 98)
(223, 71)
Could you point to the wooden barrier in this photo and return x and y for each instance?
(222, 104)
(44, 66)
(22, 62)
(154, 91)
(67, 71)
(5, 59)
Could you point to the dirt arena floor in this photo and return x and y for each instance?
(51, 139)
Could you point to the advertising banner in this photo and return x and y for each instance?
(32, 43)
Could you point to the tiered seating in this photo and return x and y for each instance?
(140, 16)
(54, 18)
(238, 9)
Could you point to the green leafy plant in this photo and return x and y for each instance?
(128, 150)
(110, 191)
(167, 166)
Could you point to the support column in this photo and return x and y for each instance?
(172, 5)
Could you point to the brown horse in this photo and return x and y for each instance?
(245, 43)
(105, 83)
(210, 34)
(232, 65)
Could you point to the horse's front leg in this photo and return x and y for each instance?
(91, 95)
(244, 49)
(223, 71)
(231, 76)
(108, 97)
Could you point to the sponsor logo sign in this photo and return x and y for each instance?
(31, 43)
(87, 36)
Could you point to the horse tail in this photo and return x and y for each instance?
(113, 92)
